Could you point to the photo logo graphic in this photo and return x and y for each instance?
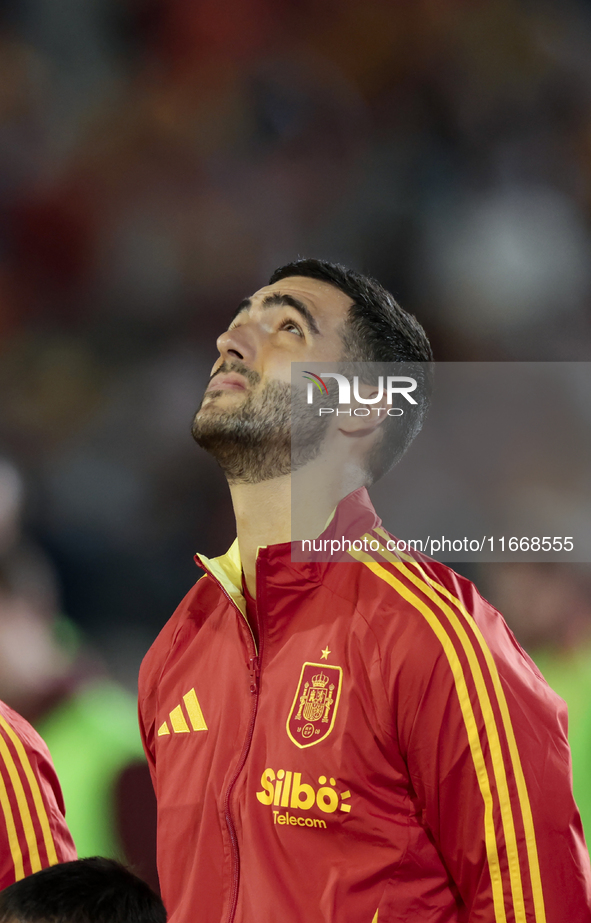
(394, 384)
(315, 380)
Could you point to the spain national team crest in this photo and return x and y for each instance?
(314, 707)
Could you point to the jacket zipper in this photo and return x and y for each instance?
(254, 689)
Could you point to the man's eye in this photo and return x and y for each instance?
(292, 327)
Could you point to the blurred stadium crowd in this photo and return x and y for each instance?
(158, 158)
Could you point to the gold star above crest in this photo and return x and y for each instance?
(325, 653)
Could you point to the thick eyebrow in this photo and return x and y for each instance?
(277, 299)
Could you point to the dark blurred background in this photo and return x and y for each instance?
(158, 158)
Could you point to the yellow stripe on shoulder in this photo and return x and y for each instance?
(435, 590)
(523, 795)
(469, 721)
(13, 841)
(21, 800)
(37, 801)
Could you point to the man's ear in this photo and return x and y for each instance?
(360, 419)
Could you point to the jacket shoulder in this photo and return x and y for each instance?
(435, 604)
(40, 836)
(20, 727)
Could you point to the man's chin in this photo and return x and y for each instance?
(217, 422)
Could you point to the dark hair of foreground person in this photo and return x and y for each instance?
(94, 890)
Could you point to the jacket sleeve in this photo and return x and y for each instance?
(148, 681)
(33, 831)
(487, 753)
(151, 670)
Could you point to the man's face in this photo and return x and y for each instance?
(244, 417)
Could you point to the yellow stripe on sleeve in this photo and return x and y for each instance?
(429, 586)
(524, 803)
(498, 762)
(13, 843)
(37, 800)
(21, 800)
(469, 721)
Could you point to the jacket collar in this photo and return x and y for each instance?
(354, 515)
(227, 570)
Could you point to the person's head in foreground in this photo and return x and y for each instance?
(94, 890)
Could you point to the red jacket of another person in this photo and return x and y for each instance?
(33, 831)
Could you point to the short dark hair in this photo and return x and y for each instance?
(377, 330)
(94, 890)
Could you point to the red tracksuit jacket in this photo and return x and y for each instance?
(388, 754)
(33, 831)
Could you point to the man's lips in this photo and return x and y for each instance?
(223, 382)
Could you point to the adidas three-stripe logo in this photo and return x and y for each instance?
(178, 720)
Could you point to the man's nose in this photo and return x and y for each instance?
(238, 343)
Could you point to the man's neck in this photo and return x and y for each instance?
(265, 515)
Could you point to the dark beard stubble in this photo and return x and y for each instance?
(253, 442)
